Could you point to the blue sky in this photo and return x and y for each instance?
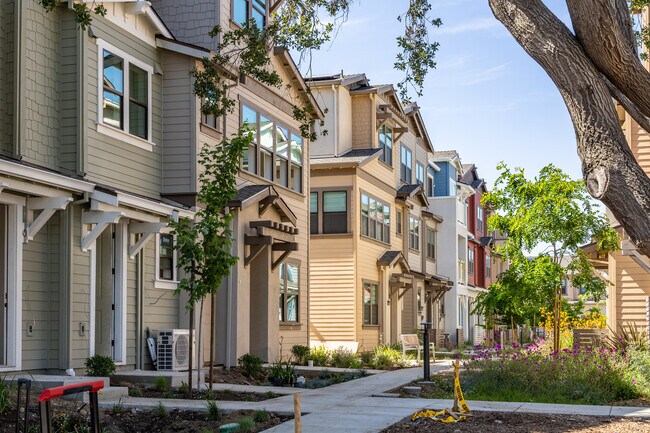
(487, 98)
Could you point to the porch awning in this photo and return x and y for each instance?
(279, 237)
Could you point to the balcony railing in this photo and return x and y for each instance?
(462, 272)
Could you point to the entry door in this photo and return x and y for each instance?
(105, 294)
(4, 287)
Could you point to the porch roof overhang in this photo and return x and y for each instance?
(409, 192)
(265, 196)
(279, 237)
(390, 259)
(432, 216)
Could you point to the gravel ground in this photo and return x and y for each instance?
(490, 422)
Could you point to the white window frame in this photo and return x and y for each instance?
(111, 131)
(165, 284)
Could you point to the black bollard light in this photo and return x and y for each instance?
(427, 366)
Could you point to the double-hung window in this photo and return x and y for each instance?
(166, 273)
(335, 212)
(246, 10)
(406, 167)
(370, 304)
(125, 86)
(313, 213)
(398, 218)
(386, 144)
(275, 152)
(419, 174)
(375, 219)
(431, 243)
(414, 233)
(470, 259)
(289, 292)
(430, 181)
(488, 266)
(479, 219)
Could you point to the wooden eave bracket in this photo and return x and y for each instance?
(48, 206)
(266, 203)
(287, 248)
(630, 250)
(100, 220)
(147, 230)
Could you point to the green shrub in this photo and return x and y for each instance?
(246, 424)
(629, 336)
(320, 356)
(100, 366)
(261, 416)
(135, 392)
(385, 357)
(638, 371)
(214, 413)
(6, 398)
(300, 354)
(282, 374)
(343, 358)
(160, 411)
(161, 384)
(251, 365)
(184, 388)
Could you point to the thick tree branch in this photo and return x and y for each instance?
(610, 170)
(605, 36)
(632, 110)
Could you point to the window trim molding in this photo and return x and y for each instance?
(363, 192)
(111, 131)
(435, 246)
(320, 192)
(159, 283)
(365, 281)
(419, 220)
(296, 323)
(410, 167)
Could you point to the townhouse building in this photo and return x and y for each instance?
(374, 271)
(85, 266)
(262, 307)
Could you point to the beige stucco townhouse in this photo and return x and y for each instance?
(262, 307)
(373, 266)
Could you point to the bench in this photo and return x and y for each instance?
(412, 342)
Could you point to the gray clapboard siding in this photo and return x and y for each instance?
(41, 294)
(190, 20)
(80, 294)
(7, 77)
(111, 161)
(42, 53)
(69, 83)
(179, 127)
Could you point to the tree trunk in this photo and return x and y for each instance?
(212, 324)
(557, 304)
(609, 168)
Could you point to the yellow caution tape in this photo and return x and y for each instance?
(446, 415)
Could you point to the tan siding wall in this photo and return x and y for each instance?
(641, 146)
(633, 284)
(363, 122)
(332, 290)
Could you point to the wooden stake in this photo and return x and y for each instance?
(296, 413)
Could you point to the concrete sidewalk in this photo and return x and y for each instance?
(351, 407)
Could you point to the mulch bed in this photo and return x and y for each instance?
(225, 395)
(492, 422)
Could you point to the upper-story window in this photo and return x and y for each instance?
(335, 212)
(430, 182)
(470, 260)
(386, 144)
(398, 217)
(479, 219)
(419, 174)
(488, 266)
(414, 233)
(275, 152)
(313, 213)
(375, 219)
(431, 244)
(246, 10)
(125, 93)
(406, 172)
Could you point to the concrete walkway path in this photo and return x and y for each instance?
(361, 405)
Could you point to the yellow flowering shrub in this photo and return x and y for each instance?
(590, 320)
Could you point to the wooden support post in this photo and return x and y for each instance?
(296, 413)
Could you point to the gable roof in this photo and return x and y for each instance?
(413, 110)
(252, 194)
(391, 258)
(341, 79)
(409, 191)
(298, 81)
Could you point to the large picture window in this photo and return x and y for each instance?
(414, 233)
(245, 10)
(370, 304)
(125, 101)
(406, 165)
(275, 153)
(386, 144)
(375, 219)
(289, 292)
(335, 212)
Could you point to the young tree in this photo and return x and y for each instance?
(590, 66)
(553, 212)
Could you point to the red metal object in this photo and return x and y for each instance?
(76, 388)
(90, 387)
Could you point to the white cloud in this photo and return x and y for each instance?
(477, 25)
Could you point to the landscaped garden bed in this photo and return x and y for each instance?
(491, 422)
(382, 357)
(161, 393)
(598, 376)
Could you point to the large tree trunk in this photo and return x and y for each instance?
(610, 170)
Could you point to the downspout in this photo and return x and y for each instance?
(229, 286)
